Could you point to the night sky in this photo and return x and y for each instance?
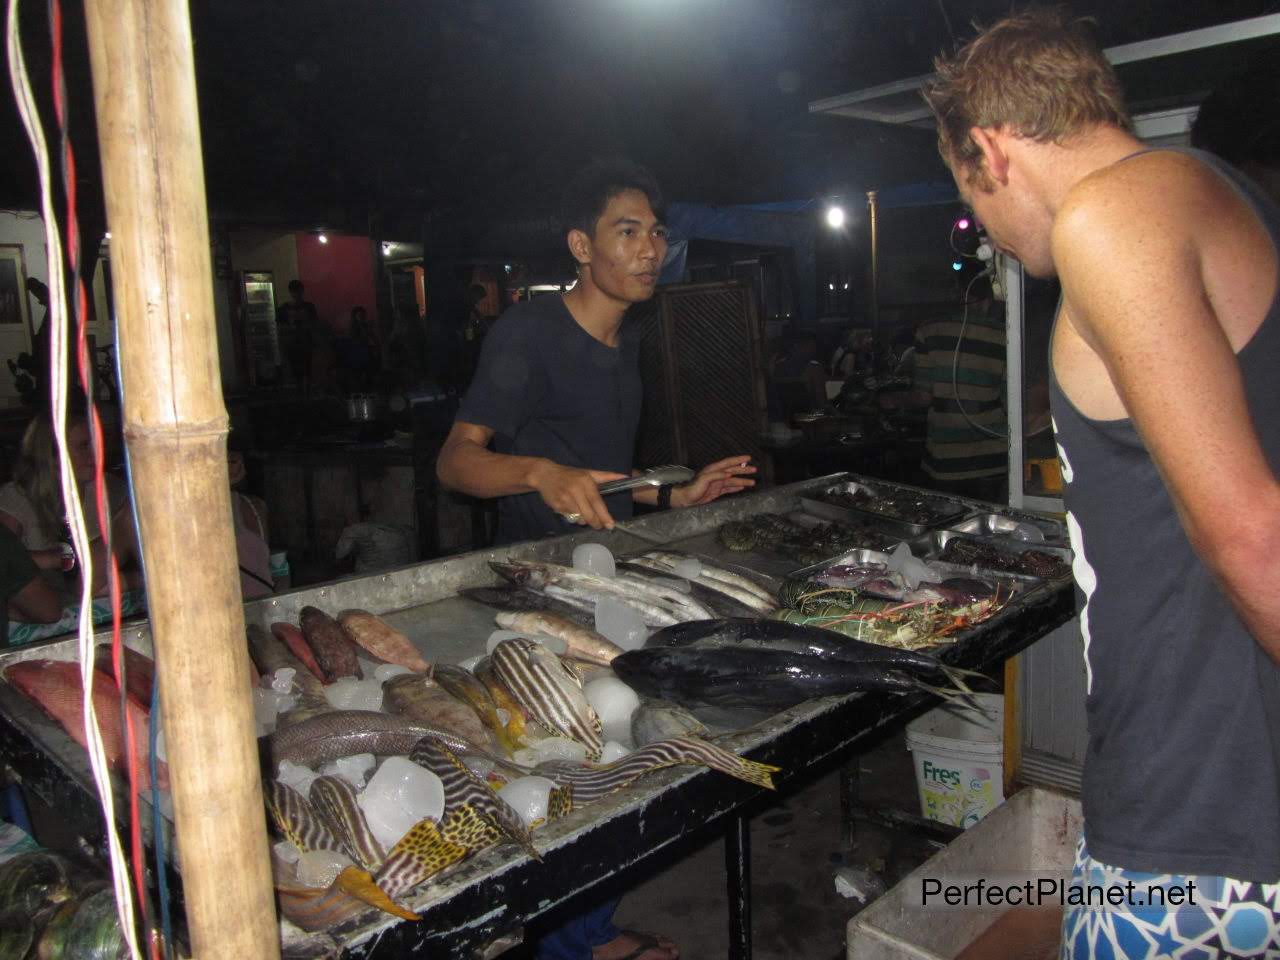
(328, 109)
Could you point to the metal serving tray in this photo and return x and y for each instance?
(1017, 582)
(1000, 526)
(948, 511)
(930, 545)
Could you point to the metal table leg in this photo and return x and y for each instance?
(737, 862)
(848, 804)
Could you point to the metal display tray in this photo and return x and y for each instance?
(930, 545)
(1000, 526)
(1017, 582)
(948, 511)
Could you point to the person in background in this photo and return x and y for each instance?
(558, 391)
(853, 356)
(26, 596)
(798, 381)
(1166, 409)
(1240, 123)
(298, 323)
(959, 371)
(356, 355)
(249, 514)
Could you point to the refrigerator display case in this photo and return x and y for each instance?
(262, 338)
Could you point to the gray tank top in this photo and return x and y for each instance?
(1182, 771)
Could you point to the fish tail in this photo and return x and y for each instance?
(421, 853)
(718, 758)
(950, 695)
(560, 802)
(360, 884)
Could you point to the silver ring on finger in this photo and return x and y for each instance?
(573, 517)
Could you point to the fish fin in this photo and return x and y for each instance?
(574, 671)
(560, 802)
(718, 758)
(360, 884)
(421, 853)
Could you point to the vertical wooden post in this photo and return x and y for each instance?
(873, 209)
(176, 427)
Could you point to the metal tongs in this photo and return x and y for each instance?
(667, 475)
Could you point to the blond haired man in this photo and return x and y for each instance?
(1167, 414)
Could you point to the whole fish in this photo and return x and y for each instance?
(382, 640)
(334, 799)
(271, 653)
(517, 716)
(549, 691)
(580, 643)
(334, 650)
(584, 590)
(592, 783)
(55, 686)
(511, 599)
(344, 733)
(735, 587)
(733, 676)
(712, 573)
(429, 847)
(656, 720)
(425, 701)
(467, 688)
(297, 820)
(139, 672)
(666, 590)
(292, 638)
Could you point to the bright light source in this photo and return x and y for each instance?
(831, 286)
(846, 286)
(387, 247)
(962, 223)
(323, 238)
(957, 266)
(108, 235)
(506, 268)
(835, 217)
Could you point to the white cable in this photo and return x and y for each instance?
(70, 492)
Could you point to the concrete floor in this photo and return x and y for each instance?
(795, 844)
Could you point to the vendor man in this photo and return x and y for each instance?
(1166, 407)
(557, 390)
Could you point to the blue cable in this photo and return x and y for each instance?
(157, 823)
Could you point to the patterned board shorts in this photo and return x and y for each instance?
(1228, 918)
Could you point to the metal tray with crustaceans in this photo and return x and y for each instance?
(945, 512)
(1017, 582)
(930, 546)
(1001, 526)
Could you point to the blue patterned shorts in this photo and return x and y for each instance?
(1228, 919)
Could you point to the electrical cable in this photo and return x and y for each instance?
(157, 825)
(25, 101)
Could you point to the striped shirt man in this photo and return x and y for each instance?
(954, 448)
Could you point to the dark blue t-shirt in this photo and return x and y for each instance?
(547, 388)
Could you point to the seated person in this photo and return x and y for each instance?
(249, 514)
(27, 596)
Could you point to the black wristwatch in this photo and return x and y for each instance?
(664, 496)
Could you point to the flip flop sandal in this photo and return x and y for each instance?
(646, 943)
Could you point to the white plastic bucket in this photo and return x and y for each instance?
(958, 750)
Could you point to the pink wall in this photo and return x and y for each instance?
(338, 275)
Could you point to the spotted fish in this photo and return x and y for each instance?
(462, 788)
(549, 691)
(298, 822)
(429, 847)
(334, 799)
(589, 784)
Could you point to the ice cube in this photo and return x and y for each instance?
(561, 748)
(498, 636)
(352, 769)
(614, 702)
(900, 555)
(265, 708)
(287, 852)
(470, 663)
(527, 796)
(917, 572)
(369, 695)
(528, 757)
(342, 693)
(368, 667)
(613, 751)
(594, 558)
(480, 766)
(297, 776)
(319, 868)
(385, 671)
(282, 680)
(690, 568)
(1027, 533)
(620, 623)
(398, 796)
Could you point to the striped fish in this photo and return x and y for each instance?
(462, 788)
(334, 799)
(549, 691)
(427, 849)
(590, 784)
(298, 821)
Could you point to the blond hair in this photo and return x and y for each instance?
(1040, 72)
(37, 474)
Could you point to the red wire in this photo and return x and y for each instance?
(99, 465)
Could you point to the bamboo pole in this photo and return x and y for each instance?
(175, 428)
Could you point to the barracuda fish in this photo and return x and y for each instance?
(510, 599)
(425, 701)
(344, 733)
(463, 789)
(657, 720)
(580, 643)
(334, 799)
(467, 688)
(584, 590)
(298, 822)
(334, 650)
(549, 691)
(770, 679)
(589, 784)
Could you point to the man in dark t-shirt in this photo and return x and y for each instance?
(557, 391)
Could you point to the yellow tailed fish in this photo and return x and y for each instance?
(504, 701)
(466, 687)
(361, 885)
(334, 799)
(549, 690)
